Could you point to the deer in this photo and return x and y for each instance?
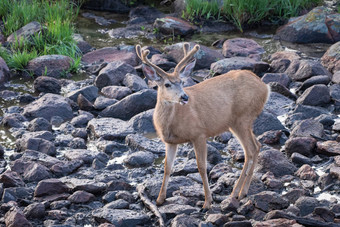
(228, 102)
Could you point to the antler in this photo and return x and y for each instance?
(187, 56)
(143, 55)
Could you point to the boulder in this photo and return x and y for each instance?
(306, 172)
(110, 54)
(307, 128)
(302, 145)
(14, 217)
(35, 210)
(280, 78)
(36, 172)
(103, 102)
(268, 200)
(11, 179)
(299, 70)
(227, 64)
(316, 95)
(143, 122)
(4, 71)
(315, 80)
(131, 105)
(266, 122)
(39, 124)
(50, 187)
(13, 120)
(120, 217)
(81, 154)
(331, 59)
(317, 26)
(330, 147)
(47, 85)
(336, 77)
(140, 159)
(81, 197)
(109, 128)
(134, 82)
(278, 104)
(89, 92)
(50, 65)
(26, 31)
(306, 205)
(48, 106)
(204, 57)
(242, 47)
(116, 92)
(174, 26)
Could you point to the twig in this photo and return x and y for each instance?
(147, 202)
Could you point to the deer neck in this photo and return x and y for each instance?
(165, 113)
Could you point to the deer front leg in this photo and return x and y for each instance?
(170, 155)
(200, 146)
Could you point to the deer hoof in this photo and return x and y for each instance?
(160, 201)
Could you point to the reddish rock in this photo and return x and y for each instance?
(15, 218)
(84, 103)
(174, 26)
(116, 92)
(330, 148)
(50, 187)
(11, 179)
(336, 75)
(282, 222)
(110, 54)
(217, 219)
(337, 160)
(241, 47)
(81, 197)
(35, 210)
(335, 171)
(301, 145)
(230, 204)
(270, 137)
(36, 172)
(331, 59)
(306, 172)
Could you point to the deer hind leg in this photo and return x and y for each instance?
(200, 147)
(170, 155)
(246, 138)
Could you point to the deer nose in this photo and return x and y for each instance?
(184, 98)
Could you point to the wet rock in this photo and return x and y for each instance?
(81, 120)
(11, 179)
(315, 96)
(81, 197)
(227, 64)
(103, 102)
(266, 122)
(204, 57)
(116, 92)
(117, 204)
(139, 159)
(91, 186)
(39, 124)
(280, 78)
(328, 148)
(35, 210)
(322, 27)
(275, 162)
(89, 92)
(36, 144)
(14, 217)
(268, 200)
(306, 172)
(4, 71)
(36, 172)
(110, 55)
(306, 205)
(172, 210)
(307, 128)
(65, 168)
(50, 187)
(230, 204)
(331, 59)
(47, 106)
(47, 85)
(13, 120)
(131, 105)
(50, 65)
(120, 217)
(185, 221)
(81, 154)
(302, 145)
(143, 122)
(241, 47)
(26, 31)
(109, 128)
(300, 159)
(174, 26)
(134, 82)
(322, 79)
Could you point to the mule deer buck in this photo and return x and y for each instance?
(231, 101)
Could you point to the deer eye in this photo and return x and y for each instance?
(167, 85)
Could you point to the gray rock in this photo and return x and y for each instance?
(47, 85)
(307, 128)
(15, 217)
(117, 204)
(116, 92)
(35, 210)
(36, 144)
(278, 104)
(77, 143)
(185, 220)
(315, 96)
(109, 128)
(331, 59)
(281, 78)
(112, 6)
(4, 71)
(103, 102)
(50, 187)
(26, 31)
(134, 82)
(120, 217)
(13, 120)
(163, 62)
(329, 147)
(39, 124)
(334, 91)
(36, 172)
(65, 168)
(48, 106)
(268, 200)
(143, 122)
(230, 204)
(139, 159)
(131, 105)
(80, 133)
(81, 120)
(303, 69)
(227, 64)
(266, 122)
(89, 92)
(35, 156)
(17, 193)
(322, 79)
(81, 197)
(144, 14)
(174, 26)
(336, 77)
(111, 55)
(11, 179)
(306, 172)
(91, 186)
(81, 154)
(302, 145)
(306, 205)
(139, 142)
(172, 210)
(293, 194)
(241, 47)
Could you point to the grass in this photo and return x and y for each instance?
(56, 38)
(242, 12)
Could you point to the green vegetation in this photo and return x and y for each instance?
(242, 12)
(56, 38)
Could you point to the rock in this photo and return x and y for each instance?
(35, 210)
(205, 56)
(13, 120)
(143, 122)
(184, 220)
(144, 14)
(281, 60)
(26, 32)
(140, 142)
(322, 79)
(279, 88)
(317, 26)
(238, 224)
(80, 133)
(81, 197)
(109, 128)
(81, 154)
(281, 78)
(115, 6)
(306, 172)
(116, 92)
(331, 59)
(81, 120)
(65, 168)
(26, 98)
(217, 219)
(11, 179)
(270, 181)
(134, 82)
(111, 55)
(48, 106)
(266, 122)
(89, 92)
(334, 91)
(50, 187)
(14, 217)
(230, 204)
(299, 70)
(234, 63)
(163, 62)
(39, 124)
(302, 112)
(278, 222)
(324, 213)
(36, 144)
(174, 26)
(268, 200)
(35, 156)
(77, 143)
(36, 172)
(241, 47)
(139, 159)
(307, 128)
(277, 104)
(16, 194)
(117, 204)
(336, 77)
(91, 186)
(271, 137)
(330, 148)
(315, 96)
(131, 105)
(306, 205)
(120, 217)
(50, 65)
(84, 103)
(172, 210)
(300, 159)
(47, 85)
(113, 74)
(293, 194)
(103, 102)
(302, 145)
(4, 71)
(275, 162)
(335, 172)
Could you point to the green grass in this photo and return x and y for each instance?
(242, 12)
(57, 37)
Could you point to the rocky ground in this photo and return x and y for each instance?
(84, 153)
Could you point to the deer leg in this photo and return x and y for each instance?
(170, 155)
(250, 169)
(200, 147)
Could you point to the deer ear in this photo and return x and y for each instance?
(188, 69)
(150, 73)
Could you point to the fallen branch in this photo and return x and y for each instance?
(147, 202)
